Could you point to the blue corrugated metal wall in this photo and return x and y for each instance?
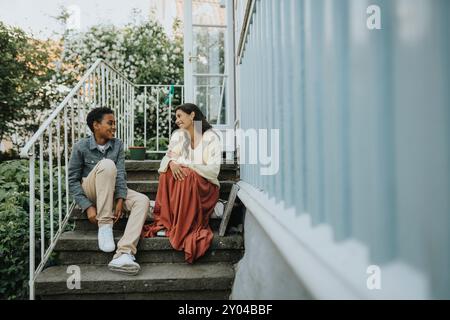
(364, 119)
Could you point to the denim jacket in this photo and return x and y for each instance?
(85, 156)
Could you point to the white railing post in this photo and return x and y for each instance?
(50, 172)
(66, 159)
(170, 108)
(133, 106)
(102, 68)
(157, 120)
(145, 116)
(58, 153)
(41, 189)
(32, 158)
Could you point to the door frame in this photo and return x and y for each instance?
(230, 66)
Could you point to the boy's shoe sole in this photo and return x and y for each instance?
(130, 270)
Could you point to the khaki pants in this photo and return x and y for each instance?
(99, 187)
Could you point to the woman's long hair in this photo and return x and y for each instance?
(189, 108)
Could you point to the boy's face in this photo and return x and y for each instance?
(106, 128)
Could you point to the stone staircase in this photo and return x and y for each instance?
(164, 274)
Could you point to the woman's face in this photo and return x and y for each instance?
(184, 120)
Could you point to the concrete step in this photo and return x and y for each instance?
(76, 247)
(83, 224)
(148, 170)
(162, 295)
(150, 187)
(170, 281)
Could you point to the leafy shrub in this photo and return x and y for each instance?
(14, 225)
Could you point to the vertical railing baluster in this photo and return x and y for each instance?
(102, 68)
(78, 116)
(106, 87)
(145, 116)
(115, 101)
(124, 113)
(72, 120)
(66, 159)
(41, 189)
(170, 109)
(31, 222)
(119, 93)
(127, 127)
(182, 95)
(157, 120)
(207, 100)
(83, 99)
(50, 169)
(128, 114)
(120, 104)
(133, 106)
(94, 88)
(113, 90)
(122, 109)
(89, 90)
(58, 153)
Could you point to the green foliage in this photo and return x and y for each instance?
(14, 225)
(25, 66)
(142, 52)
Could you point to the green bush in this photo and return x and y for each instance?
(14, 226)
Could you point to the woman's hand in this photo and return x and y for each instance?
(119, 210)
(177, 171)
(171, 154)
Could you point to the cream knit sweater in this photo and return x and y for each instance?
(205, 159)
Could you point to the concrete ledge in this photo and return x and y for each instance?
(153, 165)
(87, 241)
(150, 256)
(152, 278)
(152, 186)
(161, 295)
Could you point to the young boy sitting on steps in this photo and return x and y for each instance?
(97, 181)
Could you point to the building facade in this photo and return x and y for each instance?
(358, 90)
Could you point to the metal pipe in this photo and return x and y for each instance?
(43, 127)
(66, 157)
(157, 120)
(32, 158)
(50, 167)
(58, 145)
(41, 189)
(145, 117)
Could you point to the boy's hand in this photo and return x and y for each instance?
(119, 210)
(92, 214)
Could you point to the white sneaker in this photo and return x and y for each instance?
(218, 210)
(161, 233)
(125, 264)
(106, 238)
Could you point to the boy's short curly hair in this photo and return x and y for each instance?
(97, 115)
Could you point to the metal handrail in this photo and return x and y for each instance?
(53, 115)
(102, 84)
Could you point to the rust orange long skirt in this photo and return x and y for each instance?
(183, 208)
